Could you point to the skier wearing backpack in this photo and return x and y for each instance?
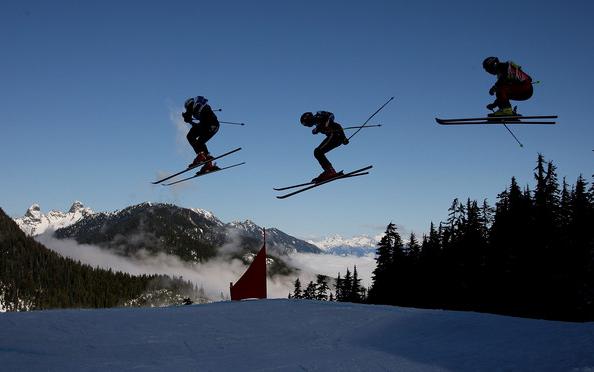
(324, 123)
(207, 126)
(512, 84)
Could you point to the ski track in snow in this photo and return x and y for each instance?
(289, 335)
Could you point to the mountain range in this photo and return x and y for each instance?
(194, 235)
(128, 228)
(362, 245)
(34, 222)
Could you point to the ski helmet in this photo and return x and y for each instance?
(189, 104)
(490, 64)
(307, 119)
(195, 103)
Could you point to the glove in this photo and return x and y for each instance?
(491, 106)
(315, 130)
(345, 141)
(492, 90)
(187, 117)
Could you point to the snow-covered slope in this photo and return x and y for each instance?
(289, 335)
(34, 222)
(358, 245)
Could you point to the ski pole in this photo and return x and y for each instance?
(372, 115)
(360, 126)
(513, 135)
(227, 122)
(509, 130)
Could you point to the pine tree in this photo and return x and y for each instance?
(379, 291)
(297, 292)
(322, 288)
(339, 289)
(413, 248)
(310, 291)
(347, 286)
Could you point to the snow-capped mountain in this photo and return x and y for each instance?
(34, 222)
(192, 234)
(362, 245)
(275, 239)
(157, 227)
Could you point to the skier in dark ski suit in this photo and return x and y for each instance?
(207, 126)
(512, 83)
(324, 123)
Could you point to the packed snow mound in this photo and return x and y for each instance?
(34, 222)
(290, 335)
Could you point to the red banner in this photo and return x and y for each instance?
(252, 283)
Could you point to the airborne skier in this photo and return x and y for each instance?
(207, 126)
(324, 123)
(512, 83)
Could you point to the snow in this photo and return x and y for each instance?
(289, 335)
(362, 245)
(34, 222)
(336, 240)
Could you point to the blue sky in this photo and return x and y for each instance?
(91, 94)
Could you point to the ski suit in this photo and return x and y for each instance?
(202, 131)
(324, 122)
(512, 84)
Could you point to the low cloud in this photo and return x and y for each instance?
(215, 275)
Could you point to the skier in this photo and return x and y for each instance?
(207, 126)
(324, 123)
(512, 83)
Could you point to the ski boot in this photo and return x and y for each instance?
(325, 175)
(209, 166)
(200, 158)
(505, 111)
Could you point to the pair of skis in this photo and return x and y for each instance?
(503, 120)
(516, 119)
(310, 185)
(199, 174)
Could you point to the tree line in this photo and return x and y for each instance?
(531, 255)
(33, 278)
(347, 289)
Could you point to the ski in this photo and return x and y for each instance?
(203, 174)
(310, 185)
(196, 166)
(495, 122)
(516, 119)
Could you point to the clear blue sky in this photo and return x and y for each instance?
(88, 91)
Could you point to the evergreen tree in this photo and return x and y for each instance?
(347, 287)
(380, 288)
(339, 289)
(297, 292)
(356, 289)
(413, 248)
(322, 288)
(310, 291)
